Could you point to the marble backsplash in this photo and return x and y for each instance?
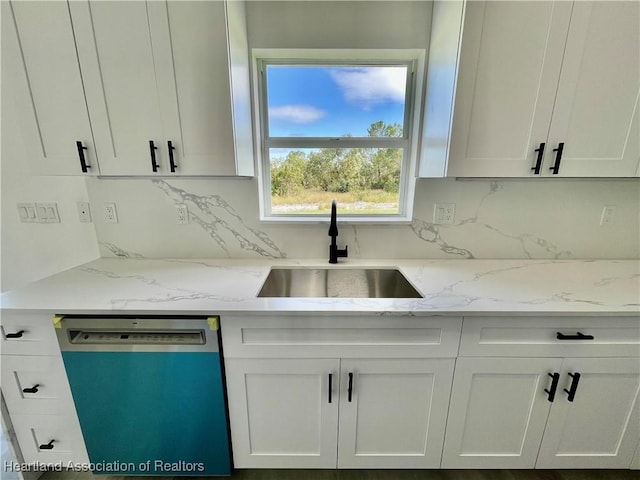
(508, 219)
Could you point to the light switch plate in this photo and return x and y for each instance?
(27, 213)
(47, 212)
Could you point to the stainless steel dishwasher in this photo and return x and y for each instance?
(149, 393)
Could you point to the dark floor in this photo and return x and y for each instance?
(383, 475)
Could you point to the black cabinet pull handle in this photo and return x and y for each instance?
(33, 389)
(47, 446)
(330, 386)
(577, 336)
(554, 385)
(83, 161)
(171, 161)
(350, 391)
(556, 165)
(571, 393)
(152, 151)
(15, 335)
(540, 150)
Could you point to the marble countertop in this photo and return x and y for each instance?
(215, 286)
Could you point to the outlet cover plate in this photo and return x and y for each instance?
(110, 213)
(182, 214)
(444, 213)
(84, 212)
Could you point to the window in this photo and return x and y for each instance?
(337, 128)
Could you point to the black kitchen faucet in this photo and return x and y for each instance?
(334, 251)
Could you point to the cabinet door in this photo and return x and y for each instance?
(192, 68)
(601, 427)
(115, 52)
(395, 415)
(40, 74)
(498, 412)
(596, 111)
(508, 75)
(635, 463)
(280, 412)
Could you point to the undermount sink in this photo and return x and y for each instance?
(337, 282)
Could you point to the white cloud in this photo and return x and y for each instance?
(370, 86)
(297, 113)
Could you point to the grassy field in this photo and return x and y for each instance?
(319, 202)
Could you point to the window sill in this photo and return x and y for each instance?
(343, 219)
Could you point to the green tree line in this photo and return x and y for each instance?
(340, 169)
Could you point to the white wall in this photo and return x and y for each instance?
(30, 251)
(537, 218)
(339, 24)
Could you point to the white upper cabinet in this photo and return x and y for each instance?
(161, 87)
(188, 58)
(596, 109)
(562, 74)
(41, 76)
(158, 84)
(116, 57)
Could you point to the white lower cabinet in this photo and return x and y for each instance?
(503, 416)
(37, 392)
(50, 439)
(393, 412)
(281, 414)
(284, 412)
(498, 412)
(601, 426)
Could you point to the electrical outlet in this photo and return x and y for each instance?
(444, 213)
(608, 212)
(110, 213)
(84, 212)
(182, 214)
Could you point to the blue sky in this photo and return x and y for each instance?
(333, 101)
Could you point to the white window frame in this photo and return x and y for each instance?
(413, 58)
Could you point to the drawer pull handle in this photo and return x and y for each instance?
(152, 153)
(571, 393)
(172, 162)
(33, 389)
(540, 151)
(350, 391)
(554, 385)
(577, 336)
(15, 335)
(556, 166)
(83, 161)
(47, 446)
(330, 386)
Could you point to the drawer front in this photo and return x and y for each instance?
(551, 336)
(45, 382)
(35, 432)
(343, 337)
(28, 334)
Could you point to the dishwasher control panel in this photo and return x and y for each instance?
(137, 337)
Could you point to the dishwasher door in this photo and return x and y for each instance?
(149, 394)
